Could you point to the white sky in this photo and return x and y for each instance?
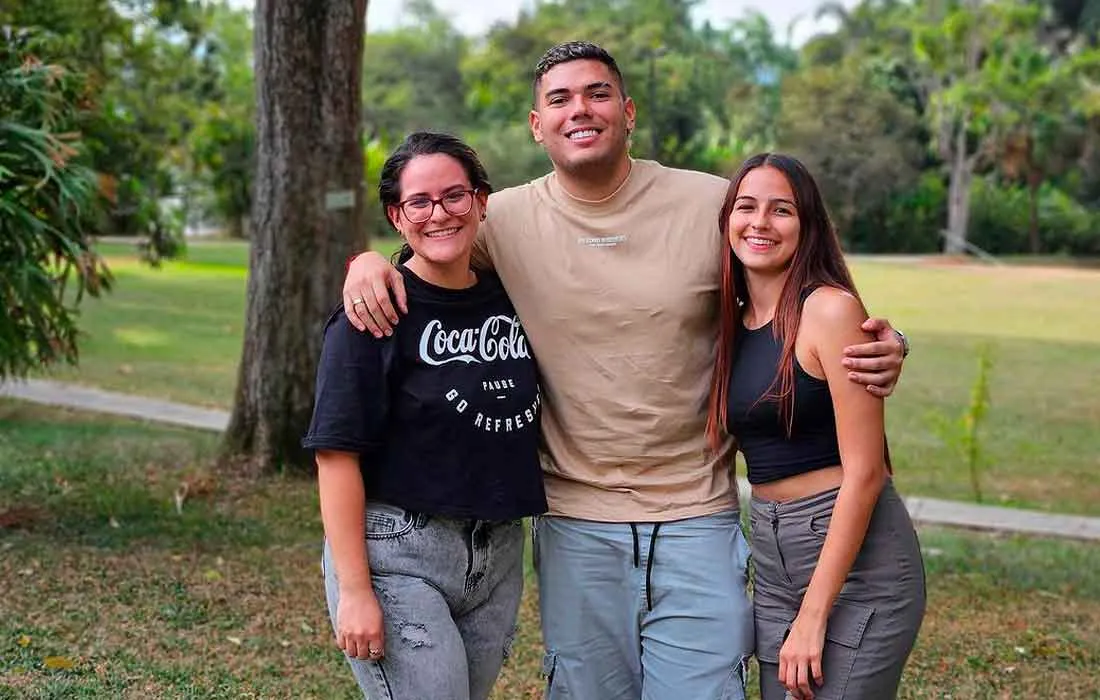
(474, 17)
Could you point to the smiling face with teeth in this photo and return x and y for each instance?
(443, 244)
(764, 226)
(583, 119)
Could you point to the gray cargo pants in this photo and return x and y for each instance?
(878, 613)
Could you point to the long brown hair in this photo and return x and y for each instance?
(817, 261)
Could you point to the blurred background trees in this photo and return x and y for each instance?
(934, 124)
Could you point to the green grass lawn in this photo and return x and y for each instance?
(175, 332)
(110, 591)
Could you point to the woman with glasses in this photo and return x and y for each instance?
(426, 449)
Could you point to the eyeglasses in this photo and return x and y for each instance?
(456, 203)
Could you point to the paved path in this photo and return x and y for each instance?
(90, 399)
(931, 511)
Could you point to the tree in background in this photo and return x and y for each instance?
(145, 74)
(47, 207)
(307, 218)
(861, 142)
(222, 145)
(1041, 106)
(954, 45)
(413, 79)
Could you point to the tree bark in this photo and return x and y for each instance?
(307, 216)
(958, 203)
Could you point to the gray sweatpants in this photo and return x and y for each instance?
(644, 611)
(878, 614)
(450, 591)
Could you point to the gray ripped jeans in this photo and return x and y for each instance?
(449, 591)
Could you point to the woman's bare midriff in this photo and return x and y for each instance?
(800, 485)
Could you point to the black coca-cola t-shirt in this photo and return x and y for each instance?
(444, 414)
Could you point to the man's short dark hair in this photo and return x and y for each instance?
(575, 51)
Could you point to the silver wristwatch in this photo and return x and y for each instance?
(904, 343)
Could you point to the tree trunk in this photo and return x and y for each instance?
(307, 216)
(958, 203)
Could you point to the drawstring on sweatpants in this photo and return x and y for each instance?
(634, 532)
(649, 567)
(649, 560)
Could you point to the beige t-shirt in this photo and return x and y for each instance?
(619, 301)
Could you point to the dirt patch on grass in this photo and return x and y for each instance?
(1004, 645)
(256, 620)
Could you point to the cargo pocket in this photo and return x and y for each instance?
(843, 637)
(554, 689)
(771, 631)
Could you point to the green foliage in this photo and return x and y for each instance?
(413, 79)
(147, 69)
(1000, 220)
(973, 418)
(374, 155)
(47, 209)
(909, 221)
(219, 158)
(878, 107)
(859, 140)
(965, 434)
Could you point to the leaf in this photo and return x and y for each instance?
(179, 497)
(234, 640)
(212, 575)
(59, 663)
(24, 641)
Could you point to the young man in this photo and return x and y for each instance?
(613, 267)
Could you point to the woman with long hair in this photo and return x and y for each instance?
(426, 445)
(839, 590)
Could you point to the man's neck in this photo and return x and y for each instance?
(595, 186)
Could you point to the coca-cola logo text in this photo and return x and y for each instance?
(499, 338)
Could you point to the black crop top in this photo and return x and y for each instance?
(760, 431)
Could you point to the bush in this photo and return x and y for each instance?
(47, 205)
(1066, 226)
(1000, 220)
(908, 222)
(998, 217)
